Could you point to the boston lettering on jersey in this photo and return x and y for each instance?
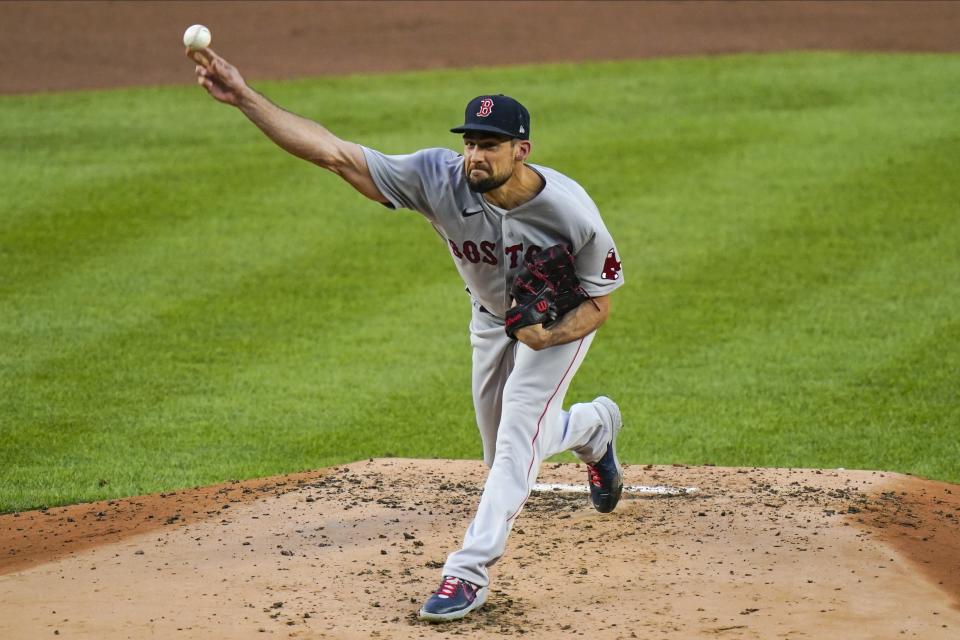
(486, 243)
(485, 251)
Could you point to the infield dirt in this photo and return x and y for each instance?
(52, 46)
(351, 552)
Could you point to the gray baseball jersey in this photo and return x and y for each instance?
(489, 244)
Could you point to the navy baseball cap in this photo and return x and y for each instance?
(498, 114)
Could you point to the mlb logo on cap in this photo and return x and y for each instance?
(497, 114)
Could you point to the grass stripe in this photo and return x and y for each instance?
(182, 303)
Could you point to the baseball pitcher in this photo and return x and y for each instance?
(539, 265)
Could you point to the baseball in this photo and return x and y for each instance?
(196, 37)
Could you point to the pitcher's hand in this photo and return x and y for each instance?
(220, 78)
(534, 336)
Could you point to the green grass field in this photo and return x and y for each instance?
(182, 303)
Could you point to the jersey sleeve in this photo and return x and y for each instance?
(407, 180)
(598, 264)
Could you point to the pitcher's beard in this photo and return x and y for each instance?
(489, 183)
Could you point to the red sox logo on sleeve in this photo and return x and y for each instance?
(611, 266)
(486, 107)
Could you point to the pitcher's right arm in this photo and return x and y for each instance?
(294, 134)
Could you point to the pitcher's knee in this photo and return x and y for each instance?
(512, 459)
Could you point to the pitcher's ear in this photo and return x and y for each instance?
(522, 150)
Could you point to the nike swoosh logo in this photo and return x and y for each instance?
(467, 214)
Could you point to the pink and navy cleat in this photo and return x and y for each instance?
(606, 475)
(453, 600)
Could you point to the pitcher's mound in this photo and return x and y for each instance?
(352, 552)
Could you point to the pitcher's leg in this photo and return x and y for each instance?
(493, 358)
(586, 431)
(530, 429)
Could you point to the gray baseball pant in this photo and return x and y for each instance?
(518, 395)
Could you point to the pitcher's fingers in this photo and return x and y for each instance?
(212, 56)
(200, 56)
(217, 65)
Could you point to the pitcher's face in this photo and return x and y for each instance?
(488, 160)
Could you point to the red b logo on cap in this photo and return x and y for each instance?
(486, 107)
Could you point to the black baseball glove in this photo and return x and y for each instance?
(546, 288)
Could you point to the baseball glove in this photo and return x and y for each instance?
(546, 288)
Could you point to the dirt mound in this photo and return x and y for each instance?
(55, 46)
(351, 552)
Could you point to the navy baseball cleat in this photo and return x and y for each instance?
(606, 475)
(454, 599)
